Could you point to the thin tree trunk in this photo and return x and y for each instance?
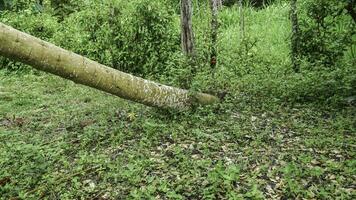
(2, 5)
(214, 32)
(219, 4)
(242, 20)
(187, 36)
(197, 7)
(295, 36)
(50, 58)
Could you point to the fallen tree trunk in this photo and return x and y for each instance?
(50, 58)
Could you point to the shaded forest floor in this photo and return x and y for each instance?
(59, 140)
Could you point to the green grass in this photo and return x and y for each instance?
(270, 29)
(64, 141)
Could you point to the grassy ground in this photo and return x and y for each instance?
(59, 140)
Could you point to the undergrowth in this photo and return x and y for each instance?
(64, 141)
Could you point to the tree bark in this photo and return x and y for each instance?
(2, 5)
(242, 20)
(295, 36)
(214, 32)
(219, 3)
(187, 36)
(50, 58)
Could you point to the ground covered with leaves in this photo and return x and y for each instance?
(59, 140)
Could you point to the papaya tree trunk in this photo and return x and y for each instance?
(2, 4)
(214, 6)
(242, 20)
(295, 35)
(50, 58)
(219, 3)
(187, 36)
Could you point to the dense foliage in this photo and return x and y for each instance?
(118, 29)
(253, 3)
(327, 32)
(142, 37)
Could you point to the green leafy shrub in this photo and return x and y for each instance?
(329, 86)
(326, 32)
(136, 37)
(63, 8)
(155, 37)
(253, 3)
(15, 5)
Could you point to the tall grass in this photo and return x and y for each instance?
(259, 65)
(268, 28)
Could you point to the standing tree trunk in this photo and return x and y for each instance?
(242, 20)
(295, 36)
(219, 3)
(2, 5)
(187, 36)
(50, 58)
(214, 32)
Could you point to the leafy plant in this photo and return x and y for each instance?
(326, 32)
(135, 37)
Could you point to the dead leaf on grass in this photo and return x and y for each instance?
(5, 181)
